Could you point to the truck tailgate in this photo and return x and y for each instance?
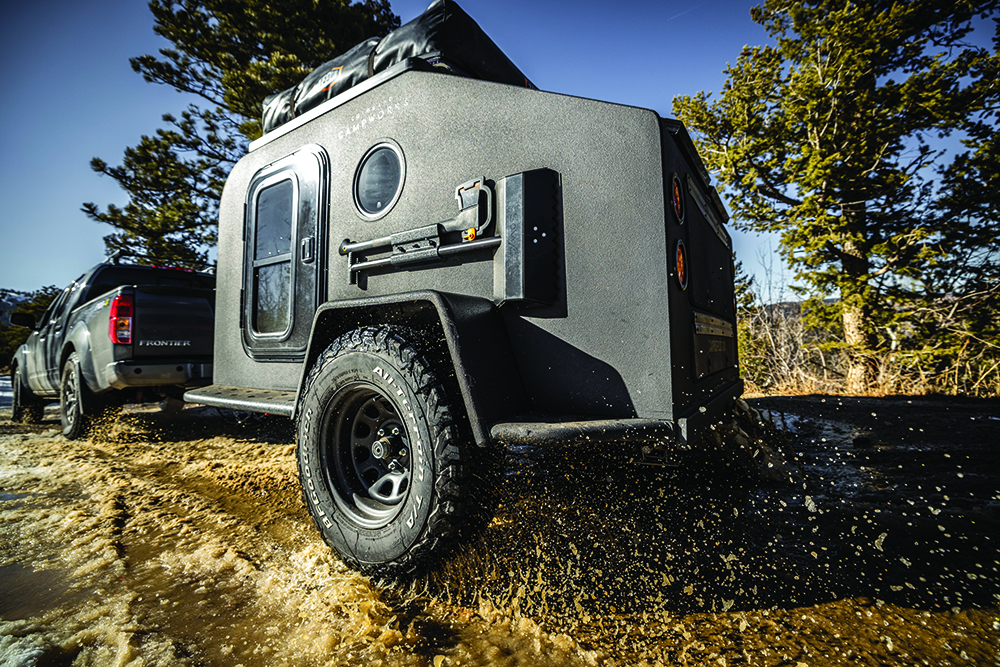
(173, 322)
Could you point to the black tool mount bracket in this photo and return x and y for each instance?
(428, 243)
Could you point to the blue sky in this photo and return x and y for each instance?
(69, 94)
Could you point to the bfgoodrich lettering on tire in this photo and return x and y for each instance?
(382, 452)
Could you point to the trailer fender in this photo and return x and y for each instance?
(476, 347)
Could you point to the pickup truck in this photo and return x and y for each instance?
(425, 259)
(120, 333)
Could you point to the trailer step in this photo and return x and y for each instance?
(268, 401)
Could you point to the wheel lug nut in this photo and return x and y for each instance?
(395, 431)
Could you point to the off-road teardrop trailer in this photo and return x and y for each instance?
(428, 265)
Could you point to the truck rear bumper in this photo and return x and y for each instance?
(125, 374)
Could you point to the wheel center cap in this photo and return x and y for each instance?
(381, 448)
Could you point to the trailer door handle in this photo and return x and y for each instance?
(308, 249)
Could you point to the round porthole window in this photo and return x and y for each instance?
(379, 180)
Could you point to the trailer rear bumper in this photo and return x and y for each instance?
(535, 431)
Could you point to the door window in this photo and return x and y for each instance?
(274, 214)
(283, 277)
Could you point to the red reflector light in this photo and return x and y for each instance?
(680, 264)
(120, 320)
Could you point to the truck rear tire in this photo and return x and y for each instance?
(383, 453)
(75, 422)
(27, 408)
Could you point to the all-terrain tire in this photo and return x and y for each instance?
(27, 408)
(384, 456)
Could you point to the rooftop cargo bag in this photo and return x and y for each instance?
(444, 36)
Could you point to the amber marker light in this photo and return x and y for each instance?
(677, 198)
(680, 264)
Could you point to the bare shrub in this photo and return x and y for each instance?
(947, 344)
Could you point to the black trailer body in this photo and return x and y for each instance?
(560, 265)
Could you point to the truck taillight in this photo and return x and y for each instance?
(120, 320)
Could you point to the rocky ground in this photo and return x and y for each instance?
(847, 531)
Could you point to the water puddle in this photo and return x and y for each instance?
(28, 592)
(196, 550)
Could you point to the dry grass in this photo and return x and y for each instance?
(780, 355)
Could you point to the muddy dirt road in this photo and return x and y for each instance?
(865, 533)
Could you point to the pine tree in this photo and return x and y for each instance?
(828, 138)
(231, 55)
(12, 301)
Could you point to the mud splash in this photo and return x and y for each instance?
(139, 550)
(184, 541)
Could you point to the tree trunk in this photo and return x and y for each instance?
(860, 360)
(856, 317)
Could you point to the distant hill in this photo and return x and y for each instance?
(9, 300)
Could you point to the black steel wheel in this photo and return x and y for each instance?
(367, 460)
(383, 454)
(27, 408)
